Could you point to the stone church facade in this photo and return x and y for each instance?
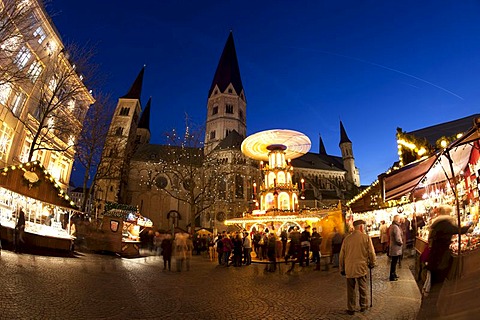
(206, 183)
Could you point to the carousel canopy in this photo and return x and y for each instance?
(258, 145)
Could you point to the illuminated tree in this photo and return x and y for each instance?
(60, 104)
(90, 143)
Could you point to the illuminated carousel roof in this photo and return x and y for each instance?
(259, 145)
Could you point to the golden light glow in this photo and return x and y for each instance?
(444, 143)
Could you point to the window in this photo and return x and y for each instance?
(6, 135)
(52, 85)
(212, 135)
(124, 111)
(17, 103)
(214, 110)
(227, 132)
(229, 108)
(71, 104)
(5, 90)
(34, 71)
(22, 57)
(119, 131)
(40, 34)
(230, 90)
(240, 114)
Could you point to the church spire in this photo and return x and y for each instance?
(144, 122)
(227, 69)
(136, 89)
(322, 149)
(343, 134)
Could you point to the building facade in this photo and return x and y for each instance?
(205, 182)
(43, 100)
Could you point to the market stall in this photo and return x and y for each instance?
(450, 177)
(47, 208)
(119, 230)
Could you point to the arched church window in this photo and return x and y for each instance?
(214, 110)
(161, 182)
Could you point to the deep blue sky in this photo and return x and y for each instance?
(376, 65)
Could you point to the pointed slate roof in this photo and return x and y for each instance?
(322, 149)
(343, 134)
(136, 89)
(232, 141)
(227, 69)
(145, 118)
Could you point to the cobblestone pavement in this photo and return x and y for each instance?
(92, 286)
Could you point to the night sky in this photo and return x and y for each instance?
(375, 65)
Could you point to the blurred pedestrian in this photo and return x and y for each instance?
(357, 255)
(247, 249)
(396, 246)
(315, 243)
(219, 248)
(443, 227)
(237, 250)
(227, 249)
(188, 250)
(272, 253)
(305, 237)
(20, 231)
(383, 236)
(337, 240)
(167, 246)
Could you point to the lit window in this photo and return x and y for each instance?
(17, 103)
(5, 90)
(22, 57)
(71, 104)
(6, 135)
(229, 108)
(34, 71)
(40, 34)
(52, 85)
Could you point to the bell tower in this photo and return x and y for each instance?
(353, 176)
(226, 105)
(119, 146)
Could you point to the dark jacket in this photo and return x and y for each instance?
(441, 231)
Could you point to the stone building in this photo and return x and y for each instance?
(43, 100)
(211, 179)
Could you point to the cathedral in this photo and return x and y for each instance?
(202, 183)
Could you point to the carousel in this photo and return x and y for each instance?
(276, 198)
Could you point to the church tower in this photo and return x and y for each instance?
(353, 175)
(119, 145)
(143, 130)
(226, 106)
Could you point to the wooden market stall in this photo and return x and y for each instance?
(450, 177)
(48, 210)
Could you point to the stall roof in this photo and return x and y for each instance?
(433, 169)
(33, 180)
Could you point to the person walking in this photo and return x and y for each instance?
(315, 243)
(305, 238)
(167, 246)
(337, 240)
(219, 248)
(19, 231)
(227, 249)
(443, 227)
(247, 249)
(396, 246)
(384, 236)
(271, 253)
(357, 255)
